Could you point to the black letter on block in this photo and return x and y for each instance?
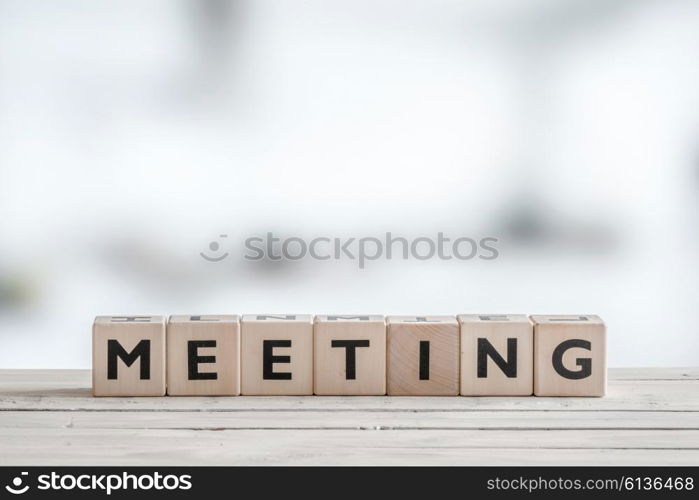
(585, 364)
(486, 349)
(193, 360)
(350, 355)
(424, 360)
(115, 350)
(268, 359)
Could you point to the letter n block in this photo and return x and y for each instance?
(349, 355)
(128, 356)
(277, 354)
(570, 356)
(203, 355)
(497, 355)
(423, 356)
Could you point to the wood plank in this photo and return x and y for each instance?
(13, 380)
(672, 373)
(403, 420)
(677, 395)
(48, 417)
(322, 447)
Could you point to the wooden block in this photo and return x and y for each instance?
(203, 355)
(422, 356)
(128, 356)
(349, 355)
(497, 355)
(570, 356)
(277, 354)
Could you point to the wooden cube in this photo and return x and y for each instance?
(497, 355)
(570, 356)
(203, 355)
(277, 354)
(422, 356)
(349, 355)
(128, 356)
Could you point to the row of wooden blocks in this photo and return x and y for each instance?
(470, 354)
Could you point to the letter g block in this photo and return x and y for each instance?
(570, 355)
(128, 356)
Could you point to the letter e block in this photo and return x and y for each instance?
(497, 355)
(423, 356)
(203, 355)
(277, 354)
(570, 356)
(128, 356)
(349, 355)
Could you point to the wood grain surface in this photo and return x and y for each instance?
(649, 416)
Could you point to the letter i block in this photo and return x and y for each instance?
(570, 356)
(128, 356)
(203, 355)
(423, 356)
(497, 355)
(277, 354)
(349, 355)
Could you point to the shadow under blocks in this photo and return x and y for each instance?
(351, 355)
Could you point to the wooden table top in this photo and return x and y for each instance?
(649, 417)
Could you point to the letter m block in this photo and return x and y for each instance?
(128, 356)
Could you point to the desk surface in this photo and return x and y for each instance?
(650, 416)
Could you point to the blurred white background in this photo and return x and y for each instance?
(133, 133)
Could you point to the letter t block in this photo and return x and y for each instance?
(128, 356)
(570, 356)
(349, 355)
